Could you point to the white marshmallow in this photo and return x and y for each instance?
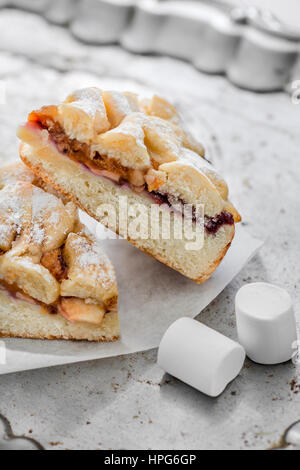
(266, 323)
(200, 356)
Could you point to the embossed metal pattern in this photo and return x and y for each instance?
(9, 441)
(251, 46)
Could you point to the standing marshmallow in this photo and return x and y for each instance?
(200, 356)
(266, 323)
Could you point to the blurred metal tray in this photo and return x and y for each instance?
(249, 45)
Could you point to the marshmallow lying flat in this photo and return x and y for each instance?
(200, 356)
(266, 323)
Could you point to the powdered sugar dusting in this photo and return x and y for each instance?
(5, 231)
(54, 218)
(192, 159)
(43, 222)
(14, 173)
(93, 261)
(11, 214)
(120, 102)
(162, 134)
(29, 211)
(133, 127)
(42, 203)
(138, 133)
(90, 101)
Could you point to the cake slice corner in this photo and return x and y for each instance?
(55, 281)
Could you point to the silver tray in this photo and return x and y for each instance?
(250, 46)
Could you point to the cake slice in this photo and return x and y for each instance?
(55, 282)
(17, 171)
(98, 147)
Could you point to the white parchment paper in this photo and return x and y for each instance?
(152, 296)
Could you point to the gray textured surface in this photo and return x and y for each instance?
(128, 402)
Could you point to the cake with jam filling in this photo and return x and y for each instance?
(98, 145)
(55, 281)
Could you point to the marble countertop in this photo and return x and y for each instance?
(128, 402)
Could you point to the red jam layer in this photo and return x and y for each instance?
(212, 224)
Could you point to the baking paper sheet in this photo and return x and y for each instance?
(152, 296)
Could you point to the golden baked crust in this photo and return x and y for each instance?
(119, 138)
(65, 337)
(17, 171)
(21, 319)
(78, 185)
(140, 141)
(48, 259)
